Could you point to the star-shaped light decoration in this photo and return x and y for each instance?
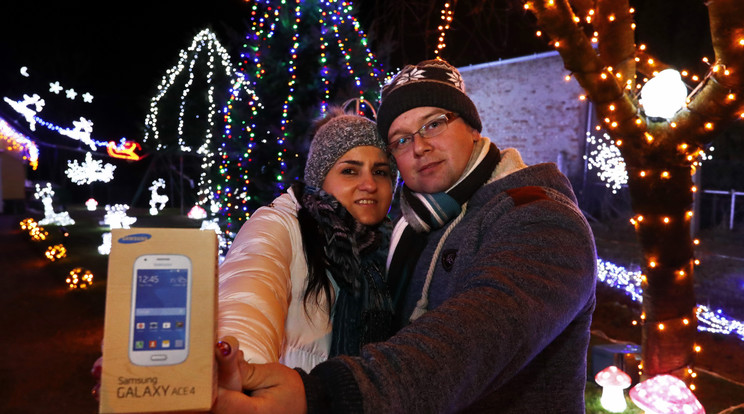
(87, 97)
(71, 94)
(55, 87)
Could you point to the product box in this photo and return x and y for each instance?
(160, 329)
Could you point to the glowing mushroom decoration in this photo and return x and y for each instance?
(197, 213)
(665, 394)
(91, 204)
(613, 381)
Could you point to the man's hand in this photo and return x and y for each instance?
(273, 388)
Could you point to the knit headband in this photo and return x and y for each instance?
(428, 83)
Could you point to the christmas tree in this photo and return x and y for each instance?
(299, 57)
(184, 119)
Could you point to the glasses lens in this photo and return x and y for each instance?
(435, 126)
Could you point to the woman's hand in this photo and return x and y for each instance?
(273, 388)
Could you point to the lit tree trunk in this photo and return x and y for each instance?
(660, 155)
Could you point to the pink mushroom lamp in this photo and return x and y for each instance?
(613, 381)
(665, 394)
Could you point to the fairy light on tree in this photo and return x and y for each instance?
(605, 158)
(184, 115)
(447, 15)
(660, 154)
(298, 57)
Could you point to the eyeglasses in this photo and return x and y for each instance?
(430, 129)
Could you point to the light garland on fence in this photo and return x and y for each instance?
(89, 171)
(16, 142)
(630, 282)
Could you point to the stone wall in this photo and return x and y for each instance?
(526, 103)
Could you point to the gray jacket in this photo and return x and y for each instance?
(510, 305)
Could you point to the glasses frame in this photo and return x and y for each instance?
(447, 117)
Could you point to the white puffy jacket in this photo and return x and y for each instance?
(262, 283)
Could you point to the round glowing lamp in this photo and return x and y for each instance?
(665, 394)
(79, 278)
(613, 381)
(664, 94)
(56, 252)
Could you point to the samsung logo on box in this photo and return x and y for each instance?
(135, 238)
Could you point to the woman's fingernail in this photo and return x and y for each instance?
(224, 347)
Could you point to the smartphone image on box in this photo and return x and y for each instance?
(161, 299)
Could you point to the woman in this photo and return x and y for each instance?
(304, 278)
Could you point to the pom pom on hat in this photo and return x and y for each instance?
(428, 83)
(336, 134)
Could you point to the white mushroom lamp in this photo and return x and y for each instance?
(613, 381)
(665, 394)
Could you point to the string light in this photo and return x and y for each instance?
(607, 160)
(630, 282)
(446, 15)
(344, 61)
(15, 142)
(56, 252)
(79, 278)
(205, 52)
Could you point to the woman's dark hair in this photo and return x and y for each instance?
(312, 238)
(317, 262)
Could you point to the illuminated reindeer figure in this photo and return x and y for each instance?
(45, 194)
(157, 201)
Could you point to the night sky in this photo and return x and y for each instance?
(118, 51)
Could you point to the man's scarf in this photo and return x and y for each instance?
(426, 212)
(355, 257)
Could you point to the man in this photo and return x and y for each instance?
(492, 271)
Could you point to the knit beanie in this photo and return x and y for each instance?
(336, 134)
(428, 83)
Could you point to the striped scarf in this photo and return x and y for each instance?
(423, 213)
